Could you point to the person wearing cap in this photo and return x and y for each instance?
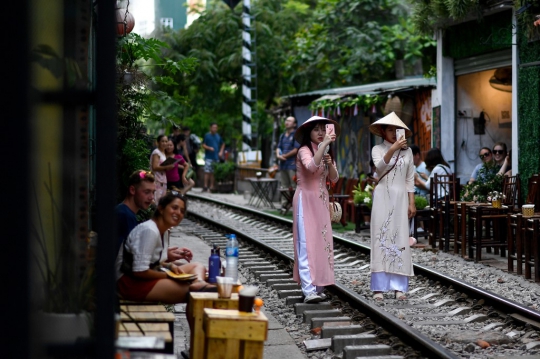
(393, 206)
(312, 229)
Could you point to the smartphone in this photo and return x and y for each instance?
(400, 133)
(330, 128)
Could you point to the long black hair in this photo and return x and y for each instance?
(433, 158)
(306, 141)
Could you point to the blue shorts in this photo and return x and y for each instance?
(209, 165)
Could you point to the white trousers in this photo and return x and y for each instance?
(303, 266)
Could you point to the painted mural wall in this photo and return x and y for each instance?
(474, 94)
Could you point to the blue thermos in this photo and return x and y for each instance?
(214, 265)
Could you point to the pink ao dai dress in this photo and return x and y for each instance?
(312, 229)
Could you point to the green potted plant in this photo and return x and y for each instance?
(224, 176)
(64, 282)
(420, 202)
(478, 191)
(363, 200)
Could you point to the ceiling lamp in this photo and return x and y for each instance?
(125, 22)
(502, 79)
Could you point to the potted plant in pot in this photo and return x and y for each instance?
(363, 200)
(63, 282)
(224, 176)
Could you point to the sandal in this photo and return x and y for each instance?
(400, 295)
(378, 296)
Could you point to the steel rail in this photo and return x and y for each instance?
(414, 337)
(501, 303)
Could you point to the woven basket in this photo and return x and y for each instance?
(393, 105)
(407, 111)
(528, 210)
(335, 212)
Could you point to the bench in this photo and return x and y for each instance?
(154, 317)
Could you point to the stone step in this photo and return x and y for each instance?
(289, 293)
(329, 332)
(300, 308)
(320, 313)
(285, 286)
(341, 341)
(354, 351)
(266, 277)
(294, 300)
(319, 322)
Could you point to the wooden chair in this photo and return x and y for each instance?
(345, 197)
(515, 236)
(486, 230)
(531, 247)
(443, 192)
(512, 192)
(338, 188)
(533, 192)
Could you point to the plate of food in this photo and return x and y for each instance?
(182, 276)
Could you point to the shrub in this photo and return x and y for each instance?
(420, 202)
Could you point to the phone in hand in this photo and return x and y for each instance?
(330, 128)
(400, 133)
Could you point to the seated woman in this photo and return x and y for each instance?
(506, 168)
(436, 164)
(488, 164)
(138, 274)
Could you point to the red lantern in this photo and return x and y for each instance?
(124, 24)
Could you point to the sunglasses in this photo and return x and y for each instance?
(484, 155)
(498, 152)
(182, 197)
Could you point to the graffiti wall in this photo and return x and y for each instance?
(422, 120)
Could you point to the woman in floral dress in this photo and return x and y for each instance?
(393, 206)
(312, 229)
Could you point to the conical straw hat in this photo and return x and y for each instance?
(390, 120)
(299, 135)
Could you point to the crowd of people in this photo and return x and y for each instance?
(307, 163)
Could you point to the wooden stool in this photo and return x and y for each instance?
(149, 314)
(230, 334)
(195, 313)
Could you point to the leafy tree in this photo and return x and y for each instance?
(139, 104)
(301, 45)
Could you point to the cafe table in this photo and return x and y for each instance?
(263, 191)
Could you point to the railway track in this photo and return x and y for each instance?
(444, 317)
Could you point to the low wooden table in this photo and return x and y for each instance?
(197, 303)
(230, 334)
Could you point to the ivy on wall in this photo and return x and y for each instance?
(491, 33)
(528, 106)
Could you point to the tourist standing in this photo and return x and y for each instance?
(393, 206)
(312, 229)
(286, 151)
(160, 172)
(214, 147)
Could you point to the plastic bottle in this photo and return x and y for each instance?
(214, 264)
(231, 255)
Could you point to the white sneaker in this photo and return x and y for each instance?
(323, 296)
(312, 298)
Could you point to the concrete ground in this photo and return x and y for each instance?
(279, 344)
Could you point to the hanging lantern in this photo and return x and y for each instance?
(125, 22)
(393, 105)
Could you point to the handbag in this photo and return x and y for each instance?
(334, 207)
(190, 173)
(335, 211)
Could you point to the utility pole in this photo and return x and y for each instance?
(249, 72)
